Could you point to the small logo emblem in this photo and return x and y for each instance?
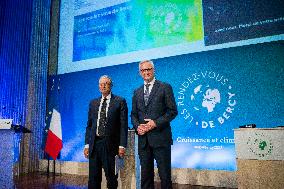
(260, 145)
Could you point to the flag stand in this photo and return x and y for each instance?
(48, 166)
(48, 169)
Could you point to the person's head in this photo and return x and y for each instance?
(105, 85)
(147, 70)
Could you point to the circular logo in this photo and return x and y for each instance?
(206, 99)
(260, 145)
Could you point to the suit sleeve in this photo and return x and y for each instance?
(134, 112)
(170, 108)
(124, 123)
(89, 125)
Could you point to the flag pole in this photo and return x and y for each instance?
(46, 155)
(47, 166)
(53, 167)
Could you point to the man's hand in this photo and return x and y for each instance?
(121, 152)
(150, 124)
(86, 153)
(144, 128)
(141, 129)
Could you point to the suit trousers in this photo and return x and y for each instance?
(101, 158)
(162, 155)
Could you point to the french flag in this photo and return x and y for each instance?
(53, 143)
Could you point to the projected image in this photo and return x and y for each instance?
(227, 21)
(102, 32)
(134, 26)
(171, 22)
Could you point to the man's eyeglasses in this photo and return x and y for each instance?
(104, 84)
(146, 69)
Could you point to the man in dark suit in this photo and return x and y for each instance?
(106, 135)
(153, 108)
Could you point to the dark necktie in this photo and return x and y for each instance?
(102, 121)
(146, 94)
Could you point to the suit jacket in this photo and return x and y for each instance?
(116, 124)
(161, 108)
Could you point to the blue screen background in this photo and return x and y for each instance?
(252, 75)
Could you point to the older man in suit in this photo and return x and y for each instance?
(106, 135)
(153, 108)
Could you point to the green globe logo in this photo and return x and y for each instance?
(260, 145)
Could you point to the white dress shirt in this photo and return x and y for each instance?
(150, 86)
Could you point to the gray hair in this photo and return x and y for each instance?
(143, 61)
(106, 76)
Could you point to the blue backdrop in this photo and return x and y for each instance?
(216, 91)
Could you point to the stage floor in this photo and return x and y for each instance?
(67, 181)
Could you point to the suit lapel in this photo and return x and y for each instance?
(97, 106)
(140, 97)
(111, 103)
